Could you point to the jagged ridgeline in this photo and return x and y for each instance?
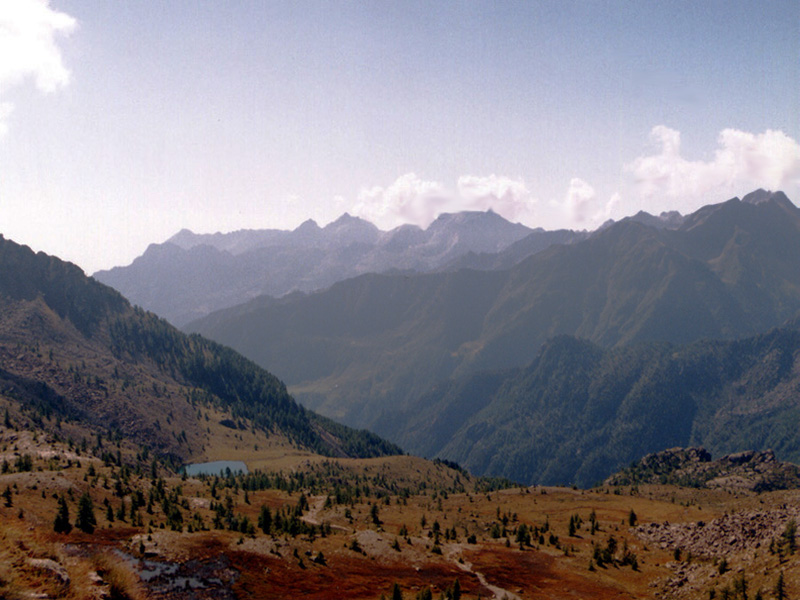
(81, 351)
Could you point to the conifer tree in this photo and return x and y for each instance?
(61, 523)
(632, 518)
(780, 588)
(425, 594)
(265, 519)
(454, 591)
(85, 521)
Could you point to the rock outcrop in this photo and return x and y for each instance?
(693, 467)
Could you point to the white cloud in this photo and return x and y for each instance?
(579, 200)
(408, 200)
(612, 203)
(509, 198)
(582, 207)
(661, 180)
(28, 48)
(416, 201)
(742, 161)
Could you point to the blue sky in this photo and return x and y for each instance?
(121, 123)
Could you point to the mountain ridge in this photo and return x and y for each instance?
(191, 275)
(365, 349)
(76, 350)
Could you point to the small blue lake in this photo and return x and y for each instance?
(218, 467)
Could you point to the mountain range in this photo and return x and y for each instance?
(191, 275)
(368, 349)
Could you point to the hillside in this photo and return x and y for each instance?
(536, 241)
(75, 355)
(367, 348)
(579, 412)
(191, 275)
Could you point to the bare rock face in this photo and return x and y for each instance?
(693, 467)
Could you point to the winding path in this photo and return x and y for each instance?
(315, 506)
(499, 593)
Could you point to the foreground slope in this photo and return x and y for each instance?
(73, 352)
(78, 523)
(368, 347)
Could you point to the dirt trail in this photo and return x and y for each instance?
(454, 550)
(315, 506)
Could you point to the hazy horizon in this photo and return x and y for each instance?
(120, 125)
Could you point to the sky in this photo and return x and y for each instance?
(122, 123)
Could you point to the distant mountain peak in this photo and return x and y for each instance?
(184, 238)
(348, 219)
(308, 225)
(352, 224)
(469, 215)
(475, 219)
(666, 220)
(760, 196)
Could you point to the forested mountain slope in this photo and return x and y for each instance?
(73, 352)
(578, 412)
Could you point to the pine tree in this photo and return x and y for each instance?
(265, 519)
(632, 518)
(780, 588)
(425, 594)
(789, 536)
(740, 585)
(454, 591)
(85, 521)
(61, 523)
(397, 594)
